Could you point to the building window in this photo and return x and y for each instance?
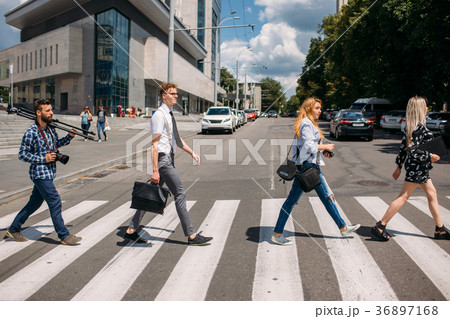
(51, 55)
(18, 64)
(201, 21)
(45, 58)
(31, 61)
(26, 62)
(4, 70)
(21, 65)
(35, 59)
(56, 54)
(40, 58)
(111, 62)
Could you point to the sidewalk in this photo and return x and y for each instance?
(85, 156)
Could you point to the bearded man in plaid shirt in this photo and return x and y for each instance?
(39, 145)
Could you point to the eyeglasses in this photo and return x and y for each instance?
(173, 94)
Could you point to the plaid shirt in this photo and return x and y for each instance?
(33, 150)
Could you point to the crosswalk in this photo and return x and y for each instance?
(277, 272)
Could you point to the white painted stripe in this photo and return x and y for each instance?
(349, 257)
(192, 275)
(7, 220)
(421, 203)
(30, 279)
(114, 280)
(448, 197)
(45, 227)
(277, 273)
(424, 252)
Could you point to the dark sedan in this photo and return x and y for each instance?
(351, 123)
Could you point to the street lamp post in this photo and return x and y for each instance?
(237, 77)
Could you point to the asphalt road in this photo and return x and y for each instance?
(235, 196)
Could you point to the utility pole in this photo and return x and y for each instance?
(171, 42)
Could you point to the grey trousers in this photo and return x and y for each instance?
(169, 175)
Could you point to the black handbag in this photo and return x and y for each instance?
(149, 197)
(309, 178)
(288, 169)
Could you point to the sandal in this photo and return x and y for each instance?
(384, 235)
(441, 233)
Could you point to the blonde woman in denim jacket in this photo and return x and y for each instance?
(308, 147)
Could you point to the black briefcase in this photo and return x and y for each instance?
(149, 197)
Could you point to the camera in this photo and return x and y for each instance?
(62, 158)
(328, 152)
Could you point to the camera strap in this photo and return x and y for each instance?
(41, 131)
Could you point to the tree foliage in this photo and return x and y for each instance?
(272, 94)
(398, 49)
(227, 80)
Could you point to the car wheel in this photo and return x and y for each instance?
(230, 131)
(370, 138)
(330, 132)
(234, 129)
(204, 131)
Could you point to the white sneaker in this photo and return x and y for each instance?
(100, 141)
(350, 229)
(281, 240)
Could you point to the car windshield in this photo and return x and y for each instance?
(249, 111)
(357, 106)
(352, 115)
(218, 111)
(441, 116)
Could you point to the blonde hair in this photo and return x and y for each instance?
(416, 112)
(306, 111)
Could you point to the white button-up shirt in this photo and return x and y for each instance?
(159, 122)
(308, 144)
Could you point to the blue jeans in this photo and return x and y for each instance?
(324, 193)
(44, 189)
(101, 125)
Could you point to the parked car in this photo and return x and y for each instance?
(272, 113)
(323, 115)
(436, 122)
(238, 119)
(331, 115)
(219, 119)
(446, 134)
(373, 108)
(393, 121)
(243, 115)
(251, 114)
(351, 123)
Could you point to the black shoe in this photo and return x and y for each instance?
(199, 240)
(134, 237)
(442, 233)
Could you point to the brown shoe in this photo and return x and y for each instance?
(71, 240)
(17, 236)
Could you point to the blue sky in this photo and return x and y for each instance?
(280, 41)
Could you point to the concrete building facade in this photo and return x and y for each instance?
(109, 52)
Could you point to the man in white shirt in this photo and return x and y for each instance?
(165, 138)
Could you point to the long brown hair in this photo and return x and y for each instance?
(306, 111)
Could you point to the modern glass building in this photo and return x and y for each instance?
(110, 53)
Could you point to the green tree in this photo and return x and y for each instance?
(4, 91)
(227, 80)
(272, 94)
(293, 104)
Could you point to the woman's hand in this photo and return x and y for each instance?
(329, 147)
(435, 158)
(396, 173)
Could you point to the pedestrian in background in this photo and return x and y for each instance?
(39, 146)
(308, 148)
(165, 139)
(102, 120)
(418, 164)
(86, 119)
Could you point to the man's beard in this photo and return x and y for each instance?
(47, 120)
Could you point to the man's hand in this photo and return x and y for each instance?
(155, 177)
(396, 173)
(72, 134)
(50, 157)
(196, 158)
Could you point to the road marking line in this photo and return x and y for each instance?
(277, 273)
(114, 280)
(7, 220)
(423, 251)
(354, 266)
(192, 275)
(421, 203)
(45, 227)
(30, 279)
